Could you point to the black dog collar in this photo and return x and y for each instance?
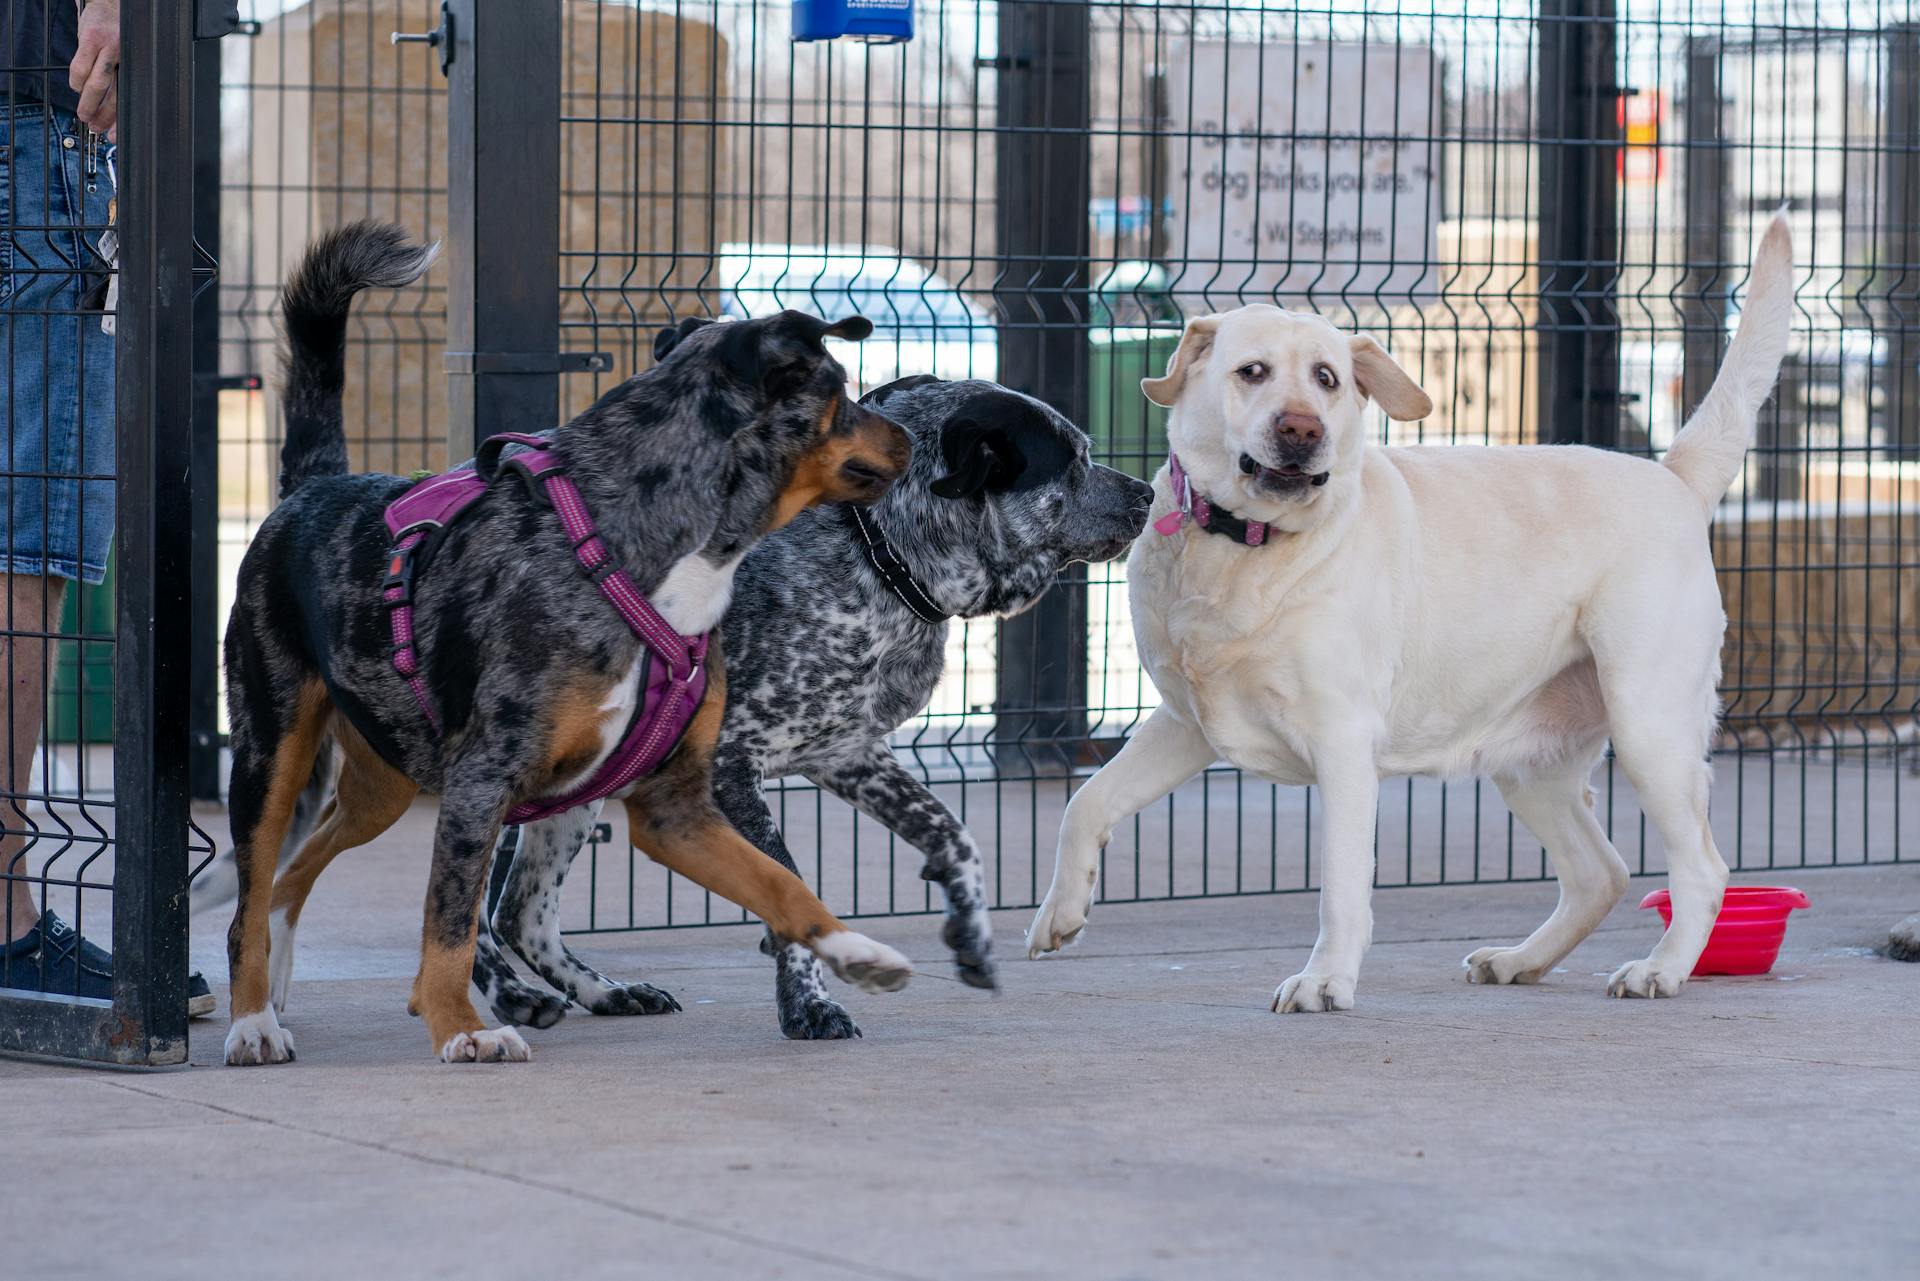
(892, 570)
(1190, 505)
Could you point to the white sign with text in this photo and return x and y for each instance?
(1299, 169)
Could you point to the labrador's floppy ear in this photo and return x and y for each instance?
(667, 339)
(979, 457)
(1194, 344)
(1380, 377)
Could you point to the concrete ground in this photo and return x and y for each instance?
(1129, 1109)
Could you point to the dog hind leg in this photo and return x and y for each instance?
(368, 798)
(274, 745)
(1558, 810)
(1658, 668)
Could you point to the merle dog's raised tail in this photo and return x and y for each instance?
(318, 294)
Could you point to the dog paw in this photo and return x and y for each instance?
(971, 938)
(258, 1038)
(1498, 965)
(1313, 993)
(1903, 941)
(1054, 926)
(818, 1018)
(528, 1008)
(869, 965)
(1644, 978)
(495, 1045)
(633, 998)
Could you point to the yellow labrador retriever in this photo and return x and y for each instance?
(1318, 609)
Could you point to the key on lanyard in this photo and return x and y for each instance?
(110, 238)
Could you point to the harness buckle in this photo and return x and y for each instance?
(399, 576)
(600, 573)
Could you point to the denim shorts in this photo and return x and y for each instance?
(56, 365)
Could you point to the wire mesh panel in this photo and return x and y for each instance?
(1543, 209)
(1408, 170)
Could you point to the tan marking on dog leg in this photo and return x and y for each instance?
(369, 797)
(292, 767)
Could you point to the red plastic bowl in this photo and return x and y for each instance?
(1746, 935)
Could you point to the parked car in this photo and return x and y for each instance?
(921, 323)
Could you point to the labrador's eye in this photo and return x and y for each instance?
(1253, 371)
(1326, 377)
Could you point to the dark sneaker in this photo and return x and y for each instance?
(52, 958)
(199, 997)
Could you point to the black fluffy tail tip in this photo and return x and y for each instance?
(360, 255)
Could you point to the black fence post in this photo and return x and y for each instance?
(1900, 232)
(1579, 249)
(503, 225)
(153, 394)
(1703, 289)
(1043, 105)
(203, 750)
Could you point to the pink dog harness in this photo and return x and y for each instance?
(670, 688)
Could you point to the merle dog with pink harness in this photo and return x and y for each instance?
(674, 679)
(497, 677)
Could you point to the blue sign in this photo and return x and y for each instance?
(878, 21)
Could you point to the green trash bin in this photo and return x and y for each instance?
(1129, 431)
(1134, 331)
(80, 704)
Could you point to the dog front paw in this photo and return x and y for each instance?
(866, 963)
(486, 1045)
(1645, 978)
(1313, 994)
(817, 1018)
(970, 936)
(1499, 965)
(633, 998)
(1055, 925)
(258, 1038)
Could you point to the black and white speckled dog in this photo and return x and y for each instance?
(835, 636)
(530, 675)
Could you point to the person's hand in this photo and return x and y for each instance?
(96, 67)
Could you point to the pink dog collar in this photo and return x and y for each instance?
(1189, 505)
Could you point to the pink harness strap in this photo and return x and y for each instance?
(671, 689)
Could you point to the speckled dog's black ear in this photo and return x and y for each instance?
(779, 354)
(997, 441)
(667, 339)
(979, 456)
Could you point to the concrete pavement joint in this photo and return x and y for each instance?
(784, 1250)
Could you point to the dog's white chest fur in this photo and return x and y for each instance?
(693, 598)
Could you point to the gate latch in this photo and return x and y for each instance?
(441, 37)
